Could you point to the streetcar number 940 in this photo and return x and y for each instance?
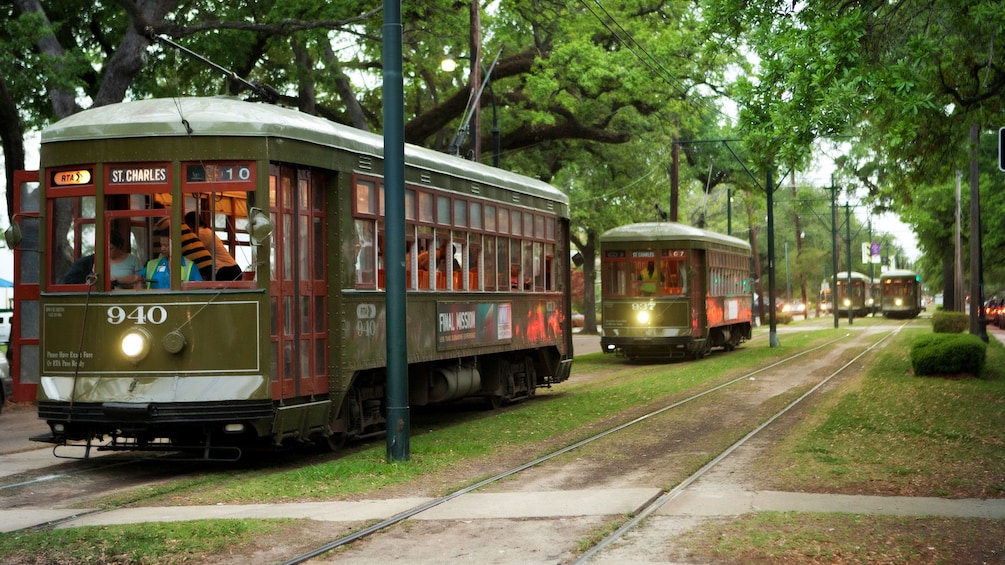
(140, 315)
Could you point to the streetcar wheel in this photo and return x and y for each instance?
(335, 441)
(493, 402)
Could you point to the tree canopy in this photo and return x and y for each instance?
(587, 95)
(897, 83)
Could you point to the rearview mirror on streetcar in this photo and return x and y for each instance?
(12, 236)
(259, 226)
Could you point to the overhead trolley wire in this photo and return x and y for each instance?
(648, 59)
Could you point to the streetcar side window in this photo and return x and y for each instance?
(489, 270)
(454, 243)
(365, 253)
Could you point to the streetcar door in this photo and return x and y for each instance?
(23, 344)
(297, 288)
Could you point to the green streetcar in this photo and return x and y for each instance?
(269, 328)
(671, 290)
(901, 293)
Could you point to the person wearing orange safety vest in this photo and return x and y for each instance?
(649, 276)
(158, 274)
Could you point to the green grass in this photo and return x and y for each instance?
(895, 433)
(792, 537)
(565, 413)
(888, 433)
(888, 428)
(165, 543)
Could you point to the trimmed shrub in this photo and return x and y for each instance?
(950, 322)
(948, 354)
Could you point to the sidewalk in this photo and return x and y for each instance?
(696, 502)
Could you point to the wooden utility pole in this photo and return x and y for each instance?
(476, 80)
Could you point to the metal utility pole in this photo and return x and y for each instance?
(847, 220)
(674, 180)
(977, 326)
(398, 421)
(834, 252)
(773, 327)
(958, 298)
(476, 80)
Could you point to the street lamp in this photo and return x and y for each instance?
(449, 65)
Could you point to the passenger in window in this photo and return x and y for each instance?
(124, 268)
(227, 268)
(158, 275)
(514, 278)
(81, 271)
(191, 248)
(441, 258)
(649, 276)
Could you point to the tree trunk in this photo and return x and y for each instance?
(12, 136)
(588, 250)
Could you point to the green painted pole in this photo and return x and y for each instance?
(834, 254)
(773, 326)
(847, 220)
(394, 216)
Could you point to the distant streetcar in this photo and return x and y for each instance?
(901, 294)
(825, 302)
(671, 290)
(854, 294)
(289, 346)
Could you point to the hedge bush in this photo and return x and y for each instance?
(948, 354)
(950, 322)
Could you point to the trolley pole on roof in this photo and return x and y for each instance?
(394, 209)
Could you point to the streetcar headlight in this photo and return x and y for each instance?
(135, 344)
(847, 302)
(642, 317)
(898, 302)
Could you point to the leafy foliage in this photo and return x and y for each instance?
(948, 354)
(898, 84)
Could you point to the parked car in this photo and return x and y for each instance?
(6, 382)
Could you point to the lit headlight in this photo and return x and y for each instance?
(899, 302)
(643, 317)
(135, 344)
(847, 302)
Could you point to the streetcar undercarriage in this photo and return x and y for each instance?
(663, 348)
(224, 430)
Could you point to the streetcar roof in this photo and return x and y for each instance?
(898, 273)
(669, 231)
(855, 275)
(231, 117)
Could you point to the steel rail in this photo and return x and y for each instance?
(404, 515)
(670, 495)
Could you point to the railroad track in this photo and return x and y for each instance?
(652, 506)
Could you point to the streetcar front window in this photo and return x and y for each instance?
(72, 242)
